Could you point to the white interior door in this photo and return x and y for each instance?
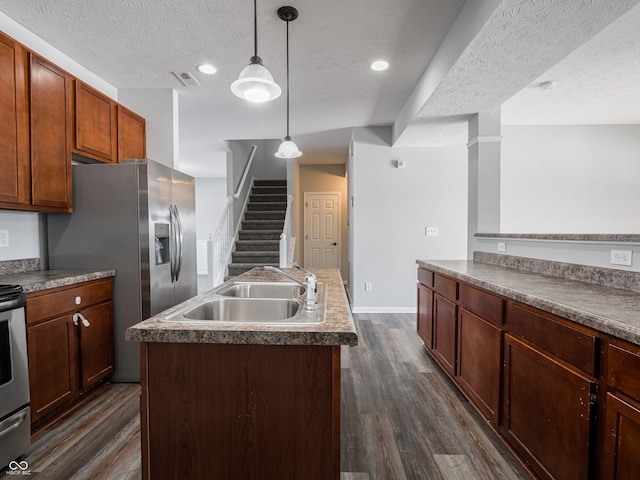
(322, 230)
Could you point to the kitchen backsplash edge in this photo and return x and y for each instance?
(608, 277)
(24, 265)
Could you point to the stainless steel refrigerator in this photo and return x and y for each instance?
(137, 218)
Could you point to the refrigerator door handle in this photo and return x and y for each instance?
(179, 239)
(172, 243)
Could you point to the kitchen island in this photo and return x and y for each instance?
(551, 363)
(244, 400)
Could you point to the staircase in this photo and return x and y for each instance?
(258, 242)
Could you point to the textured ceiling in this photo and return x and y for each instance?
(519, 43)
(138, 43)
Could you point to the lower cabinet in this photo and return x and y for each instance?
(425, 315)
(564, 397)
(70, 340)
(445, 331)
(549, 412)
(621, 460)
(479, 363)
(240, 411)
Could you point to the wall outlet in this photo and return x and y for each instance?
(502, 247)
(367, 286)
(621, 257)
(4, 238)
(431, 231)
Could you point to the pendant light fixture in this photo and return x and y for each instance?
(288, 148)
(255, 83)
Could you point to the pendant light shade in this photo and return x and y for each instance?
(288, 148)
(255, 82)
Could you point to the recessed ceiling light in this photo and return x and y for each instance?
(379, 65)
(206, 68)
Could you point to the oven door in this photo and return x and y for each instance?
(14, 372)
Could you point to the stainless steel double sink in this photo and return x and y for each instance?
(277, 303)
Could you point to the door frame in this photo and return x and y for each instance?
(304, 225)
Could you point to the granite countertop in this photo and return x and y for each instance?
(45, 279)
(609, 310)
(338, 329)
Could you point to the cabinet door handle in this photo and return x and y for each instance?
(79, 316)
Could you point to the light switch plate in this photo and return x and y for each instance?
(4, 238)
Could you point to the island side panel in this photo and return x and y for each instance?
(242, 411)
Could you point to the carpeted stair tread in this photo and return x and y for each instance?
(257, 245)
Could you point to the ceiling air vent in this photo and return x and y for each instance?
(187, 79)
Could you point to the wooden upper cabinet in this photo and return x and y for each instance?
(14, 125)
(51, 120)
(95, 124)
(132, 139)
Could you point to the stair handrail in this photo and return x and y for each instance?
(219, 246)
(287, 240)
(246, 171)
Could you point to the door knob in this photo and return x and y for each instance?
(334, 243)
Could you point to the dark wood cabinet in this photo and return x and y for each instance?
(132, 139)
(15, 180)
(95, 134)
(53, 369)
(479, 363)
(445, 333)
(51, 118)
(70, 338)
(240, 411)
(46, 114)
(425, 315)
(549, 412)
(621, 460)
(538, 379)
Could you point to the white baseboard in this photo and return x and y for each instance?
(384, 310)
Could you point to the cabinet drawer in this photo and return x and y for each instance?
(425, 277)
(48, 304)
(481, 303)
(447, 287)
(622, 370)
(578, 347)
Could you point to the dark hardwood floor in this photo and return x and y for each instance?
(401, 419)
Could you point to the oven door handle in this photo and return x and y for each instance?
(21, 416)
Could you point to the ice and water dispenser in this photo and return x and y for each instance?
(161, 232)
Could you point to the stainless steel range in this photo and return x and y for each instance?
(15, 417)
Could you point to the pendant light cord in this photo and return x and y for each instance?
(255, 27)
(287, 78)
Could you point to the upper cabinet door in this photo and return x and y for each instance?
(132, 140)
(51, 120)
(14, 126)
(95, 132)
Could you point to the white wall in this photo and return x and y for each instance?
(570, 179)
(391, 208)
(211, 197)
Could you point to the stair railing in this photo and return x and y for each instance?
(287, 240)
(219, 247)
(245, 172)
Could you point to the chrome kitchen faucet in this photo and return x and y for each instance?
(310, 283)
